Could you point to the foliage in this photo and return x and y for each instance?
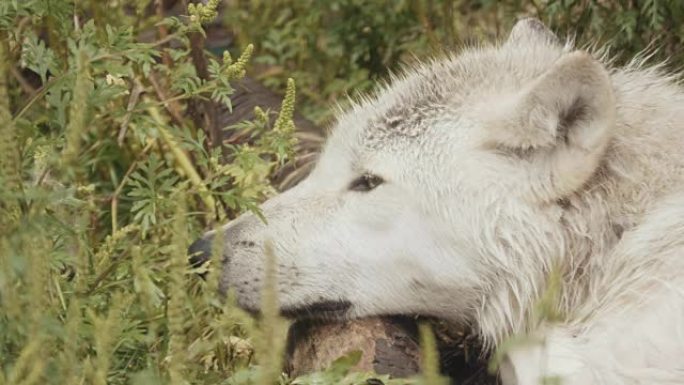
(105, 182)
(338, 47)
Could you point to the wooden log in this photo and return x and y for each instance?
(389, 345)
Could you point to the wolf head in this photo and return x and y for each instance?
(442, 195)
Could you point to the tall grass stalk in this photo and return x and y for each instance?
(77, 112)
(176, 352)
(10, 163)
(272, 328)
(429, 356)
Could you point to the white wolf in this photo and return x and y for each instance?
(458, 190)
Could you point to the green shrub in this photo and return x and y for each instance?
(336, 47)
(105, 182)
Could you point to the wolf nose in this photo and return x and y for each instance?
(199, 251)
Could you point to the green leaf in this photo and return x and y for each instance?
(36, 56)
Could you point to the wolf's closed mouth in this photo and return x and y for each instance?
(319, 310)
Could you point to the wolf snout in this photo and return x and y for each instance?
(199, 251)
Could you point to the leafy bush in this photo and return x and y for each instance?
(345, 46)
(104, 182)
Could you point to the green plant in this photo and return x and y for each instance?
(105, 180)
(341, 47)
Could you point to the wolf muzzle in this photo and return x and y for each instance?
(199, 251)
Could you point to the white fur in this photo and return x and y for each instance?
(502, 165)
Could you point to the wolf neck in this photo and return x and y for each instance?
(628, 183)
(552, 273)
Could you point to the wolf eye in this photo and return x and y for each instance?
(365, 183)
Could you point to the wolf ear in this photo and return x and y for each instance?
(559, 125)
(528, 30)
